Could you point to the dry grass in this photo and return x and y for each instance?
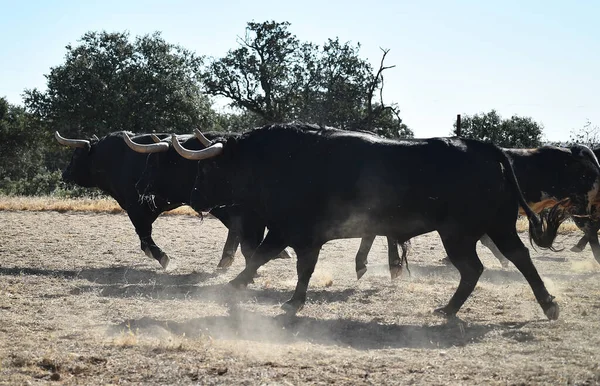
(109, 205)
(55, 204)
(81, 304)
(565, 228)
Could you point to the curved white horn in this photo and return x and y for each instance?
(203, 140)
(197, 155)
(71, 142)
(150, 148)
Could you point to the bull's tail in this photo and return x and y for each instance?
(542, 228)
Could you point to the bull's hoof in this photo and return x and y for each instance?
(225, 262)
(360, 273)
(443, 311)
(395, 271)
(148, 253)
(576, 248)
(552, 311)
(164, 260)
(291, 307)
(238, 283)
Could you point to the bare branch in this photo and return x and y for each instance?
(375, 83)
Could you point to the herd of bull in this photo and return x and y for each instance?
(307, 185)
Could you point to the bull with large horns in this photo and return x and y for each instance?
(114, 166)
(312, 185)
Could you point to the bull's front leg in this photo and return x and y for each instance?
(231, 245)
(142, 221)
(271, 246)
(305, 266)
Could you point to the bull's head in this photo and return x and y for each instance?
(211, 186)
(79, 169)
(167, 175)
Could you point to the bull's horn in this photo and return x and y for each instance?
(203, 140)
(71, 142)
(155, 138)
(197, 155)
(150, 148)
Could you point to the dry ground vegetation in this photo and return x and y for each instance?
(81, 304)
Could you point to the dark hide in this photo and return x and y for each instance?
(312, 185)
(551, 175)
(590, 227)
(171, 178)
(111, 166)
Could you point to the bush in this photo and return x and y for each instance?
(45, 183)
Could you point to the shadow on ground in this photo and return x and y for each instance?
(246, 325)
(115, 275)
(493, 275)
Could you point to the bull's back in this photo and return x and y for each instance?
(348, 183)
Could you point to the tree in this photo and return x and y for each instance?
(516, 132)
(22, 164)
(588, 135)
(109, 83)
(278, 78)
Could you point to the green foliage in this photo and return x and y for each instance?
(109, 83)
(278, 78)
(21, 144)
(516, 132)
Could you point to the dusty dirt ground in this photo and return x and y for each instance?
(81, 304)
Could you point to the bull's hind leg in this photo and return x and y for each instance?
(583, 224)
(462, 254)
(305, 266)
(590, 229)
(394, 260)
(512, 247)
(580, 246)
(361, 256)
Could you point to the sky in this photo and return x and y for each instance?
(532, 58)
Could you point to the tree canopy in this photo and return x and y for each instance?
(515, 132)
(109, 83)
(278, 78)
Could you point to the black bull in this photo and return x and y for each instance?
(566, 176)
(551, 175)
(110, 165)
(313, 185)
(170, 178)
(590, 228)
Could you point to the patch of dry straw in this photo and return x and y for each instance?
(90, 205)
(109, 205)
